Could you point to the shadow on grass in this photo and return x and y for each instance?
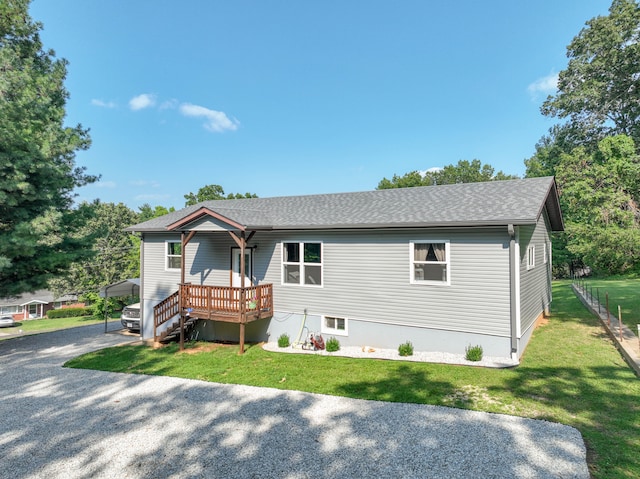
(402, 383)
(600, 401)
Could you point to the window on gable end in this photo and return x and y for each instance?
(531, 257)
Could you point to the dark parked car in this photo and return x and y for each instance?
(130, 318)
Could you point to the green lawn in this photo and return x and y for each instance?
(39, 325)
(571, 373)
(623, 292)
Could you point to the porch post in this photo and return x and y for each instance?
(241, 241)
(243, 245)
(183, 244)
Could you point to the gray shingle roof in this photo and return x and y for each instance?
(40, 296)
(468, 204)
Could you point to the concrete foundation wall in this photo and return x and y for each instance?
(360, 333)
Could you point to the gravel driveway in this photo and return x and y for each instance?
(67, 423)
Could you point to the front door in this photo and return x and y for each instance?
(235, 267)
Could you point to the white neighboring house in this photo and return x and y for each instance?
(442, 266)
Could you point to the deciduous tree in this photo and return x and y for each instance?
(464, 172)
(147, 212)
(600, 199)
(213, 192)
(599, 91)
(116, 253)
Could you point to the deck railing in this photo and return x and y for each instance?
(215, 301)
(165, 310)
(222, 303)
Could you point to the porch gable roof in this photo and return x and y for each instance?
(493, 203)
(203, 212)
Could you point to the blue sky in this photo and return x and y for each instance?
(301, 97)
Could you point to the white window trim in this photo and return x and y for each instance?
(531, 257)
(544, 253)
(302, 264)
(447, 261)
(167, 255)
(17, 309)
(324, 329)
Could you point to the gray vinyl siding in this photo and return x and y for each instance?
(366, 276)
(535, 284)
(207, 256)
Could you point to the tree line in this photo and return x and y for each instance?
(48, 241)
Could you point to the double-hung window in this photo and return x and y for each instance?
(302, 263)
(11, 309)
(174, 254)
(430, 262)
(531, 257)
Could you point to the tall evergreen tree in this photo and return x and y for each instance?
(38, 174)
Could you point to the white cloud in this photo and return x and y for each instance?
(103, 104)
(149, 183)
(106, 184)
(434, 169)
(216, 121)
(168, 104)
(545, 85)
(147, 197)
(146, 100)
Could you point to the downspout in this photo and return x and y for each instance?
(513, 277)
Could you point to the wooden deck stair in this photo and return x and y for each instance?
(172, 333)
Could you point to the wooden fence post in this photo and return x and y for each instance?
(620, 322)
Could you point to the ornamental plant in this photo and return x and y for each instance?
(332, 345)
(405, 349)
(283, 341)
(473, 353)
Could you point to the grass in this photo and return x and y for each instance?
(623, 292)
(571, 374)
(40, 325)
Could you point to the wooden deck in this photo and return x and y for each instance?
(216, 303)
(228, 303)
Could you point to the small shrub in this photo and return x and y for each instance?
(473, 353)
(69, 313)
(405, 349)
(283, 341)
(332, 345)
